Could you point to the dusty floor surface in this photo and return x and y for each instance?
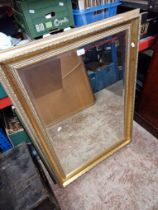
(128, 180)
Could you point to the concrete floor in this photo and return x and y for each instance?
(128, 180)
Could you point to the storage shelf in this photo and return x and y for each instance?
(5, 102)
(147, 42)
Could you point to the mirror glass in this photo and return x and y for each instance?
(79, 98)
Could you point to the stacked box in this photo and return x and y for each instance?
(21, 135)
(93, 14)
(40, 17)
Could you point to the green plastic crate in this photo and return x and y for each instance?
(19, 137)
(3, 94)
(40, 17)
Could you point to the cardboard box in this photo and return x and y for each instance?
(58, 87)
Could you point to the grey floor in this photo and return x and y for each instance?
(128, 180)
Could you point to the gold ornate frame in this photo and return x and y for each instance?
(14, 58)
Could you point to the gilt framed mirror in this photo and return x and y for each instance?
(75, 92)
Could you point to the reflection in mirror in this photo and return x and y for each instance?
(79, 98)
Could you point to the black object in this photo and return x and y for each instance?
(149, 20)
(153, 6)
(149, 24)
(21, 187)
(7, 25)
(142, 4)
(143, 65)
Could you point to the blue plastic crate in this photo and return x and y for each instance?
(93, 14)
(103, 77)
(4, 142)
